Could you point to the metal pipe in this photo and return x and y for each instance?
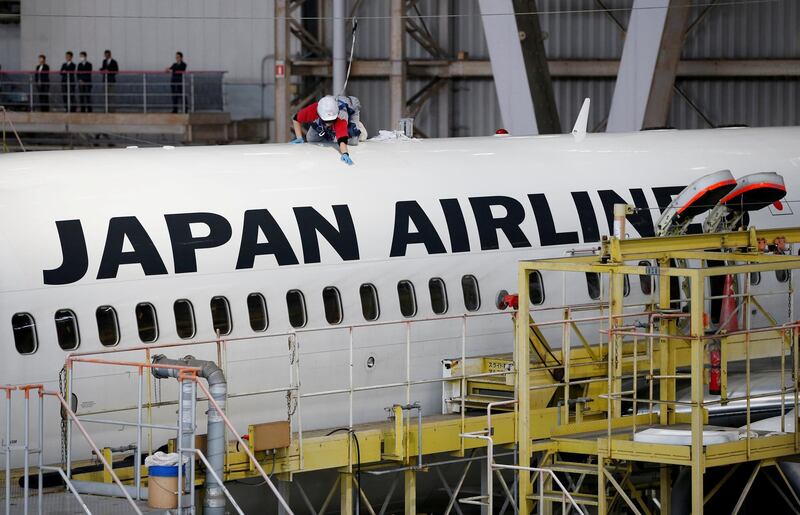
(26, 459)
(7, 447)
(40, 489)
(339, 43)
(137, 459)
(214, 503)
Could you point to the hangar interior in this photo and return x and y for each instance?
(711, 64)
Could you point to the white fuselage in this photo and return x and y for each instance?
(551, 194)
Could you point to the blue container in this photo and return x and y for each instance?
(163, 471)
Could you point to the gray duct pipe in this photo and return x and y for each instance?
(215, 501)
(339, 46)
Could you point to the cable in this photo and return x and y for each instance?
(404, 16)
(352, 49)
(358, 463)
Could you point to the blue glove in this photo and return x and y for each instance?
(346, 158)
(297, 141)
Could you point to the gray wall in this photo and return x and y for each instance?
(238, 36)
(231, 35)
(9, 46)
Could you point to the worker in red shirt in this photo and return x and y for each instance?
(330, 119)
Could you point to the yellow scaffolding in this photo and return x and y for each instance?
(572, 399)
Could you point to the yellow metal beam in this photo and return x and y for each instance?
(522, 380)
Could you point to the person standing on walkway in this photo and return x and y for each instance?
(85, 83)
(178, 69)
(42, 80)
(68, 82)
(109, 69)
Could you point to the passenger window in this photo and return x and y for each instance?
(593, 285)
(536, 288)
(472, 295)
(626, 286)
(755, 278)
(257, 308)
(407, 297)
(24, 333)
(184, 318)
(370, 307)
(221, 315)
(332, 301)
(646, 281)
(67, 329)
(147, 322)
(438, 295)
(782, 276)
(297, 308)
(107, 326)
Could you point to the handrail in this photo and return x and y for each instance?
(242, 443)
(541, 482)
(210, 470)
(68, 410)
(70, 486)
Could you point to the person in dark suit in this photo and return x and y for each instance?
(42, 80)
(109, 69)
(68, 83)
(85, 83)
(178, 70)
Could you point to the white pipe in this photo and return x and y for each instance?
(339, 43)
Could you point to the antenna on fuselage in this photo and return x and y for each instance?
(579, 130)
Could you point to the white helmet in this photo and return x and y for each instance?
(328, 108)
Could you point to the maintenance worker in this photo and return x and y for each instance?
(331, 119)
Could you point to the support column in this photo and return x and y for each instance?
(649, 62)
(346, 491)
(615, 348)
(522, 391)
(537, 71)
(410, 490)
(485, 478)
(285, 489)
(508, 67)
(698, 373)
(339, 46)
(444, 94)
(282, 70)
(397, 79)
(669, 56)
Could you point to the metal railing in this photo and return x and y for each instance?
(8, 449)
(120, 92)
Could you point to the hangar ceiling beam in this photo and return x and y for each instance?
(508, 66)
(535, 59)
(649, 64)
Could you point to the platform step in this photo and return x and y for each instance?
(552, 495)
(573, 467)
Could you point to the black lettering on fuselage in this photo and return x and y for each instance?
(456, 225)
(547, 227)
(75, 256)
(641, 219)
(256, 222)
(410, 211)
(144, 252)
(588, 220)
(185, 245)
(509, 224)
(343, 240)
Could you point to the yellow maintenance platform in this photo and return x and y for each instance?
(590, 404)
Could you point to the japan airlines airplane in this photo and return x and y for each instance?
(110, 249)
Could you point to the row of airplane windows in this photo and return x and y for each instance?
(68, 335)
